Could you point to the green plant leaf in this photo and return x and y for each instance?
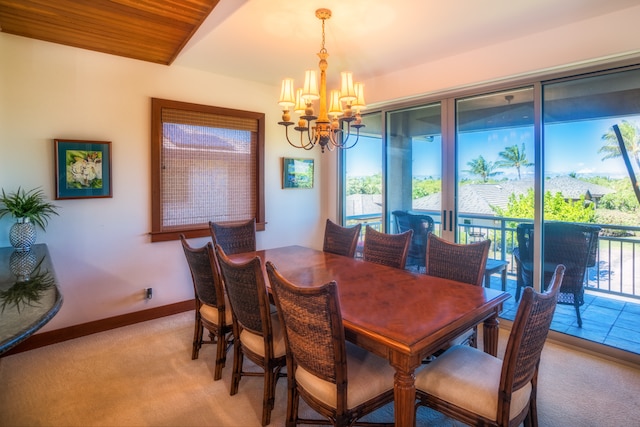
(28, 204)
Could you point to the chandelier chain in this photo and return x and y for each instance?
(322, 49)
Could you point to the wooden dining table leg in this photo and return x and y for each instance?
(404, 394)
(491, 334)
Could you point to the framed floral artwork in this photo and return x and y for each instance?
(83, 169)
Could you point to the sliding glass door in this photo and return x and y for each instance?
(591, 123)
(494, 146)
(363, 176)
(414, 162)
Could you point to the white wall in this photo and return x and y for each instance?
(607, 36)
(100, 247)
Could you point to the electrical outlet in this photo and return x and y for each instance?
(148, 293)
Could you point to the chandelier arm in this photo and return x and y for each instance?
(310, 142)
(334, 137)
(346, 138)
(302, 145)
(330, 144)
(312, 134)
(344, 144)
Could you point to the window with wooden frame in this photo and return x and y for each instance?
(207, 164)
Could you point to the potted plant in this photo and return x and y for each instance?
(29, 208)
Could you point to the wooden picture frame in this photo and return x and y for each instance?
(297, 173)
(83, 169)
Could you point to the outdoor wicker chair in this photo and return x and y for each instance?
(459, 262)
(573, 245)
(256, 330)
(341, 240)
(386, 249)
(339, 380)
(476, 388)
(212, 310)
(234, 238)
(422, 226)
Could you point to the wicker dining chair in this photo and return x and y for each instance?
(476, 388)
(339, 380)
(386, 249)
(341, 240)
(460, 262)
(573, 245)
(234, 238)
(256, 330)
(212, 309)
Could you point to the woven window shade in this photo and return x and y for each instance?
(208, 168)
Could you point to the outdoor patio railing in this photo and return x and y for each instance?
(615, 271)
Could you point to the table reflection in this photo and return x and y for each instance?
(29, 295)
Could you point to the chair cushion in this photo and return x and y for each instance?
(368, 376)
(255, 342)
(210, 313)
(469, 378)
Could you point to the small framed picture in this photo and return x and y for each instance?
(297, 173)
(83, 169)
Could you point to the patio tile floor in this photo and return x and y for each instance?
(606, 319)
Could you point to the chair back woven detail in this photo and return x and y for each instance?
(526, 341)
(341, 240)
(316, 347)
(247, 293)
(573, 245)
(453, 261)
(208, 290)
(313, 325)
(463, 383)
(234, 238)
(201, 262)
(246, 299)
(422, 226)
(386, 249)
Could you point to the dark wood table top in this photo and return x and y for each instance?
(409, 309)
(397, 314)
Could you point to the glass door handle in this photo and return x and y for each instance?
(444, 220)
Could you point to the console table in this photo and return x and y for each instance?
(29, 294)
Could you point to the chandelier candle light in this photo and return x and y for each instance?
(344, 109)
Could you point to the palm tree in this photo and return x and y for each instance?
(630, 134)
(513, 157)
(479, 166)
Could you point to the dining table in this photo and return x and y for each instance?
(400, 315)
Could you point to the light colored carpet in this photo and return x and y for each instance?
(143, 375)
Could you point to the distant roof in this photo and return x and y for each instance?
(478, 198)
(363, 204)
(573, 188)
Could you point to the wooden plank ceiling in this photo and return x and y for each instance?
(148, 30)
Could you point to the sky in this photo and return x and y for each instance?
(570, 148)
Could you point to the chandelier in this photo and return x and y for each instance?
(344, 109)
